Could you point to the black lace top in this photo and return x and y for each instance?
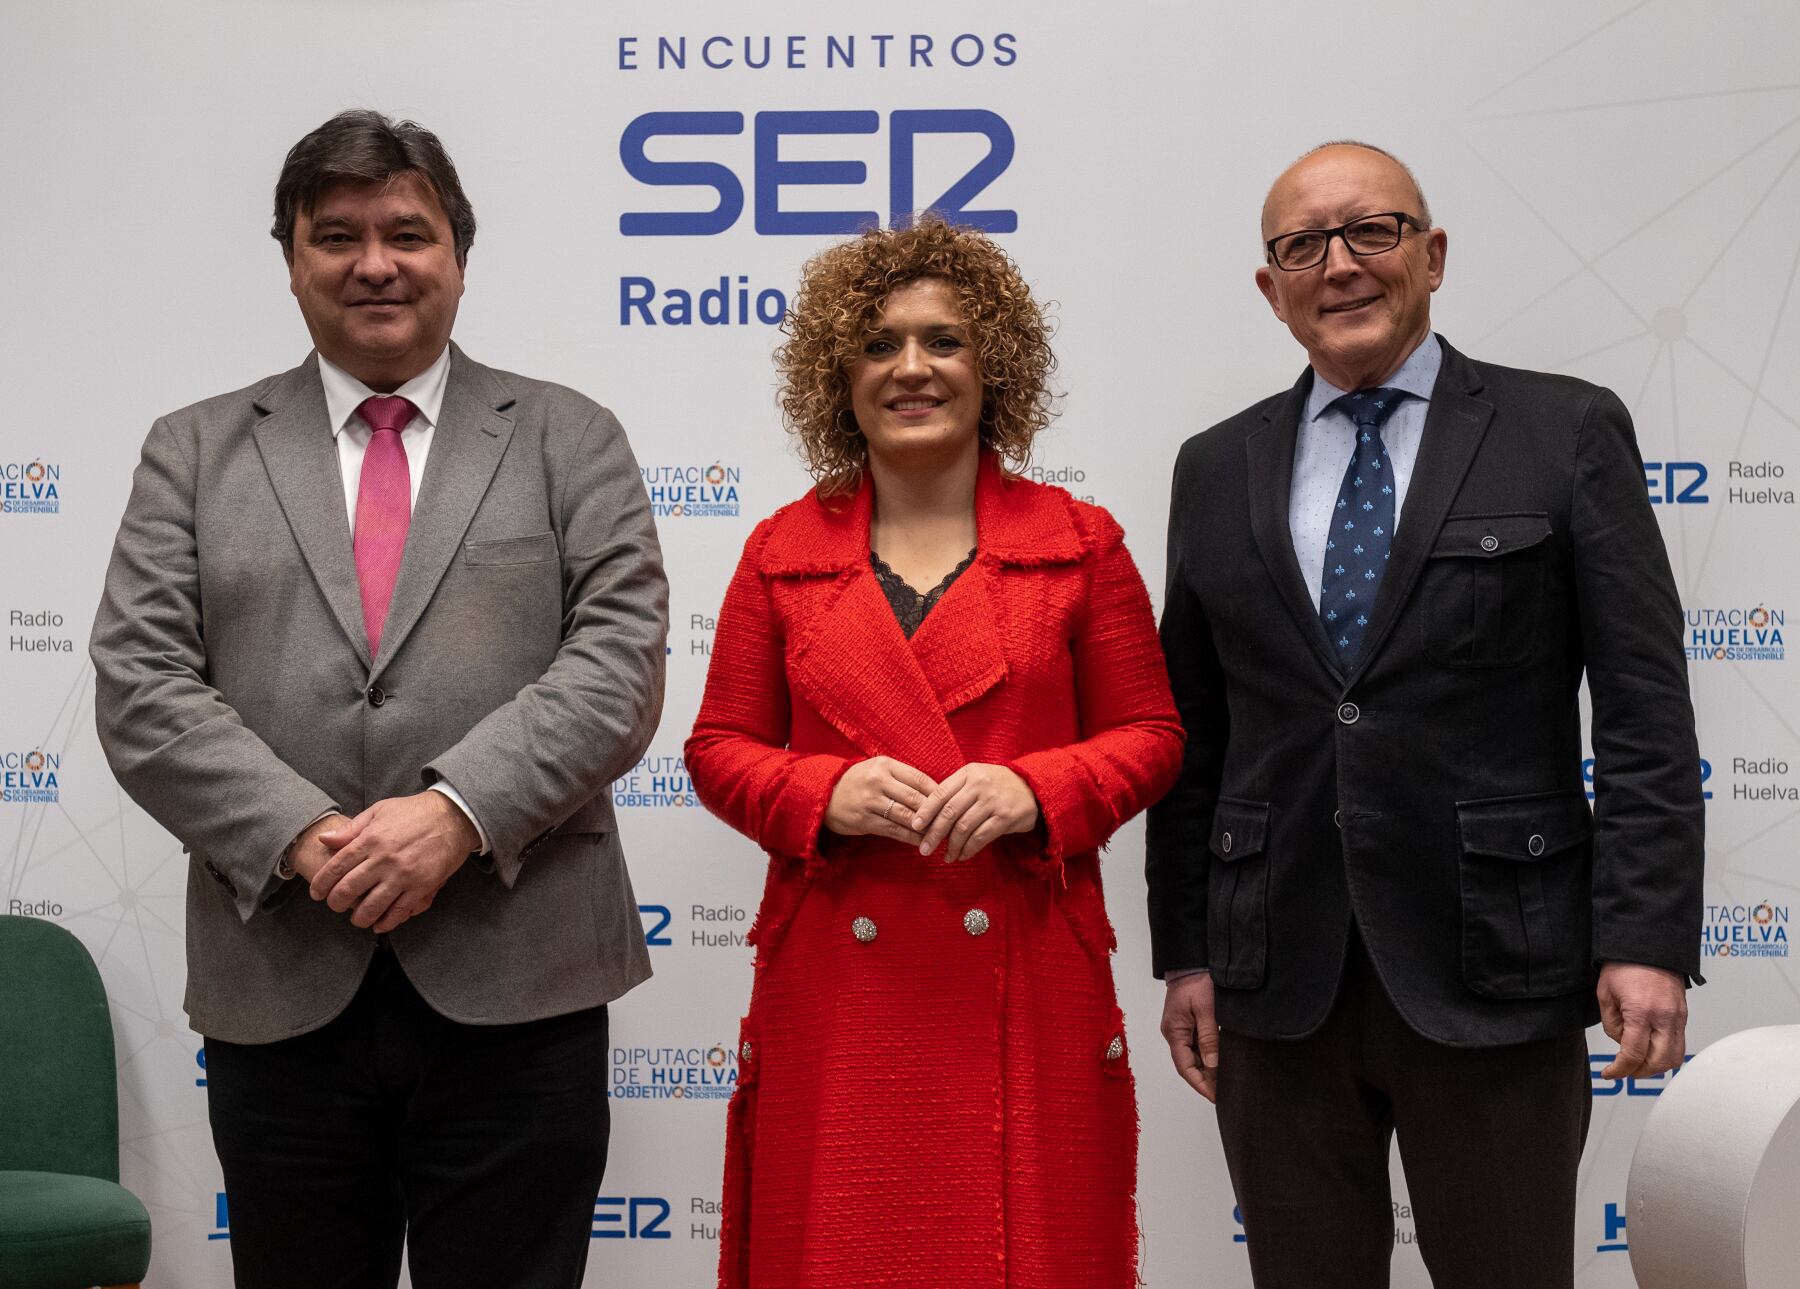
(909, 606)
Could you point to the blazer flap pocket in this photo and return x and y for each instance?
(512, 550)
(1240, 828)
(1524, 828)
(1489, 536)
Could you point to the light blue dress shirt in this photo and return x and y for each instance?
(1327, 439)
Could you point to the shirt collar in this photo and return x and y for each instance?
(1416, 376)
(344, 393)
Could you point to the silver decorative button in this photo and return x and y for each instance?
(1225, 843)
(1536, 844)
(1337, 817)
(1116, 1048)
(744, 1051)
(863, 929)
(1490, 543)
(975, 922)
(1349, 713)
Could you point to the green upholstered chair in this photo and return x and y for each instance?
(65, 1222)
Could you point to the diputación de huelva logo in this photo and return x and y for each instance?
(1745, 931)
(1755, 634)
(657, 781)
(693, 491)
(30, 487)
(674, 1073)
(30, 778)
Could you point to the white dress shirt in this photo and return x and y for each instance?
(343, 395)
(1327, 439)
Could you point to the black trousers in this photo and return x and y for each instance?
(481, 1147)
(1490, 1139)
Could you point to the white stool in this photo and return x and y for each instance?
(1714, 1195)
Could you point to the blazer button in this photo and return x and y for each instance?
(975, 922)
(376, 696)
(1490, 543)
(1225, 843)
(863, 929)
(1535, 845)
(1349, 713)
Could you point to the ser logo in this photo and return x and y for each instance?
(634, 1217)
(1675, 483)
(221, 1219)
(656, 925)
(771, 172)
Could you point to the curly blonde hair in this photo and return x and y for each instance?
(842, 291)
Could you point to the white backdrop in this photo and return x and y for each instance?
(1618, 179)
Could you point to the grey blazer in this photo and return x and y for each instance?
(522, 662)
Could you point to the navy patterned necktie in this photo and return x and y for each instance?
(1362, 526)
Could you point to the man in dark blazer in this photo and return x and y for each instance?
(377, 635)
(1378, 895)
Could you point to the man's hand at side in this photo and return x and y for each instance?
(1644, 1010)
(1189, 1025)
(393, 858)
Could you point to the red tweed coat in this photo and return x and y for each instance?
(943, 1100)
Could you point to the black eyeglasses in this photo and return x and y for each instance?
(1365, 235)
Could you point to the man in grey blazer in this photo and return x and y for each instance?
(377, 635)
(1377, 892)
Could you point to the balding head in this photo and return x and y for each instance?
(1419, 205)
(1357, 316)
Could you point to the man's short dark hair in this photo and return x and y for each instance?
(361, 146)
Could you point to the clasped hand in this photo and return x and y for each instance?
(387, 864)
(882, 797)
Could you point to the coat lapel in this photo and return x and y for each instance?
(957, 646)
(1018, 525)
(470, 438)
(1454, 427)
(1270, 460)
(294, 438)
(847, 657)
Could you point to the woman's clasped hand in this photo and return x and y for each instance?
(882, 797)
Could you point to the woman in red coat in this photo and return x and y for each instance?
(935, 692)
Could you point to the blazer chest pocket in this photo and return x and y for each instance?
(1527, 895)
(1237, 894)
(1481, 597)
(512, 550)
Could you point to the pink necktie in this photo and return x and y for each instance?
(383, 510)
